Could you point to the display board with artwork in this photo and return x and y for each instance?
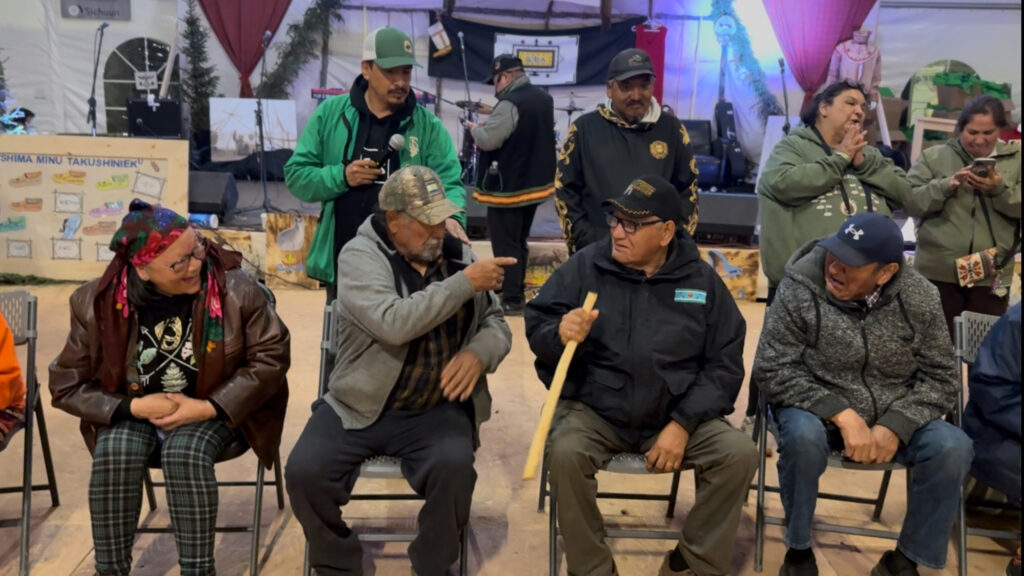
(63, 197)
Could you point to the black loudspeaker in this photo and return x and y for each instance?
(164, 118)
(726, 214)
(212, 193)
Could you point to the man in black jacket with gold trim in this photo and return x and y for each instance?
(628, 135)
(659, 365)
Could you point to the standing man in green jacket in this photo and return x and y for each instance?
(343, 156)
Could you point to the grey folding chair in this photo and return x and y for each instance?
(621, 463)
(380, 467)
(970, 329)
(835, 460)
(237, 447)
(19, 310)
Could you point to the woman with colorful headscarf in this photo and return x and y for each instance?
(174, 352)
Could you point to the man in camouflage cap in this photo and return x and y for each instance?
(418, 327)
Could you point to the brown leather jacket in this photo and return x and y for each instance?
(253, 390)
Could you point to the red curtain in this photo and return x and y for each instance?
(652, 41)
(808, 31)
(239, 25)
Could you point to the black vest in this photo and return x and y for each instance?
(526, 161)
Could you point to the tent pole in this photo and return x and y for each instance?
(696, 66)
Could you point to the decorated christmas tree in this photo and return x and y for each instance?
(199, 82)
(9, 113)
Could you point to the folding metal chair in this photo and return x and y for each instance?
(19, 310)
(380, 467)
(835, 460)
(621, 463)
(237, 447)
(970, 329)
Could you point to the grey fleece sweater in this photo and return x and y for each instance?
(376, 323)
(892, 364)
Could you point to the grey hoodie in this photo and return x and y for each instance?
(893, 364)
(375, 325)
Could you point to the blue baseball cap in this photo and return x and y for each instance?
(866, 238)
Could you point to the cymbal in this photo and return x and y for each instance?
(471, 105)
(570, 108)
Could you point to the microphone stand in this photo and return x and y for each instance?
(785, 96)
(266, 206)
(90, 118)
(469, 173)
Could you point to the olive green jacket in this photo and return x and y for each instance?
(953, 222)
(801, 193)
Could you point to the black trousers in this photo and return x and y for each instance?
(956, 299)
(509, 229)
(436, 449)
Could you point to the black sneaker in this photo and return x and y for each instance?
(885, 566)
(799, 563)
(512, 308)
(1013, 568)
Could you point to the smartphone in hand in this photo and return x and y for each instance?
(982, 167)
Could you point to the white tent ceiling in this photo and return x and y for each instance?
(49, 68)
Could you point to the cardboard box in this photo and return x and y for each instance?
(954, 97)
(893, 109)
(948, 114)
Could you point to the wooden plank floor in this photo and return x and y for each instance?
(508, 537)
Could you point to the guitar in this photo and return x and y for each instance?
(734, 164)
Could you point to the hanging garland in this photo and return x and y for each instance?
(304, 39)
(747, 66)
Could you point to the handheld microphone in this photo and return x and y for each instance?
(395, 144)
(104, 25)
(265, 41)
(461, 34)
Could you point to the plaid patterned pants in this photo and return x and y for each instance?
(115, 491)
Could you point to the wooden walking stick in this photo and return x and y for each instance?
(554, 392)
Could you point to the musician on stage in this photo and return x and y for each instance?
(343, 156)
(516, 169)
(628, 135)
(660, 364)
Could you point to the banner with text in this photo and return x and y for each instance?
(557, 57)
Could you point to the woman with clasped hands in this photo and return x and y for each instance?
(819, 175)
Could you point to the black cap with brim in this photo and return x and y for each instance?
(503, 63)
(649, 195)
(630, 63)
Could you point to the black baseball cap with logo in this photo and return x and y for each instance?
(629, 63)
(866, 238)
(503, 63)
(649, 195)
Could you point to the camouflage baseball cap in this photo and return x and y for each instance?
(417, 191)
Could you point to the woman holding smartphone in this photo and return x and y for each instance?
(967, 196)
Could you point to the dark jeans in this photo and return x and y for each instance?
(939, 453)
(509, 229)
(436, 449)
(956, 299)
